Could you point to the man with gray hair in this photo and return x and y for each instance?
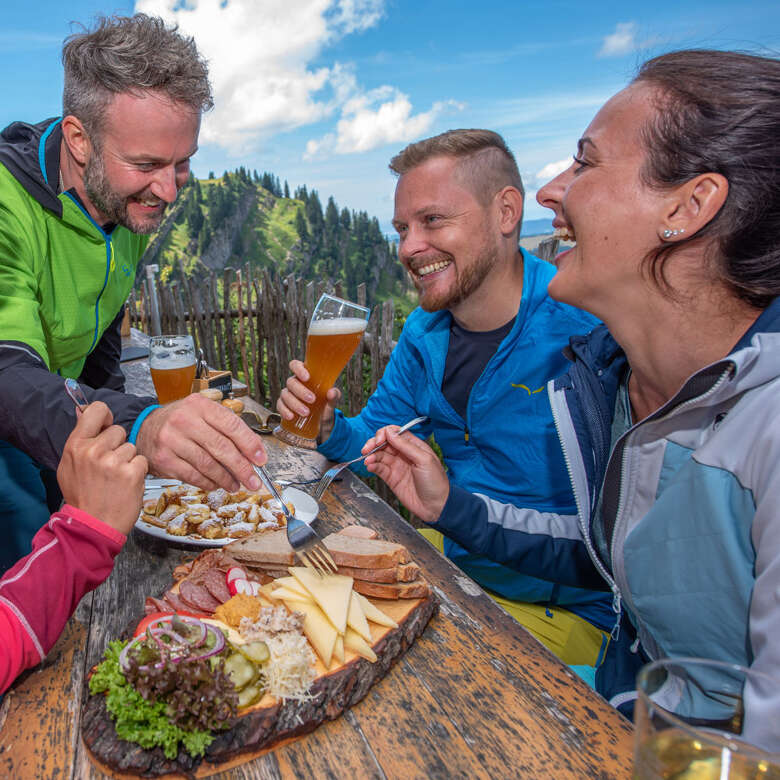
(78, 196)
(475, 358)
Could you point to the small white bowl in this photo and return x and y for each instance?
(306, 507)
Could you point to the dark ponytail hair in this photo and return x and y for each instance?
(719, 112)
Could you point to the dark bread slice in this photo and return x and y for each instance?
(417, 589)
(272, 550)
(365, 553)
(402, 572)
(361, 531)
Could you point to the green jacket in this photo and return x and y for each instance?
(63, 283)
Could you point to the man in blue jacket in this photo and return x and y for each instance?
(474, 358)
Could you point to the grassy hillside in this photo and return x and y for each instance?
(241, 218)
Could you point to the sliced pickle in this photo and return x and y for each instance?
(257, 651)
(249, 695)
(240, 671)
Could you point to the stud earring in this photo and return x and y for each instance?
(672, 233)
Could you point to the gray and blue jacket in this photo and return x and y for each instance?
(506, 447)
(687, 532)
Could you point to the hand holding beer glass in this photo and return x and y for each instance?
(172, 364)
(334, 332)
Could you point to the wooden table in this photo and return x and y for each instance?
(475, 697)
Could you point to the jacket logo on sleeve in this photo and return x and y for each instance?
(527, 389)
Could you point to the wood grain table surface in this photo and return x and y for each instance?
(475, 697)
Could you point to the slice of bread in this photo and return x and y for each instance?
(272, 550)
(403, 572)
(362, 531)
(416, 589)
(270, 547)
(365, 553)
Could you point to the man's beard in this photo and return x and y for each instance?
(466, 281)
(110, 203)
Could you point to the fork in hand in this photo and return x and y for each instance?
(307, 545)
(333, 471)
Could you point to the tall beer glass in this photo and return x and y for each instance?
(691, 723)
(172, 364)
(334, 332)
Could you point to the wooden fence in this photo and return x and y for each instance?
(253, 325)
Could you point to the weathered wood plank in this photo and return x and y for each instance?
(38, 720)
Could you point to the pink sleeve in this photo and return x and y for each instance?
(72, 554)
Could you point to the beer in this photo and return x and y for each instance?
(172, 366)
(329, 346)
(674, 754)
(173, 383)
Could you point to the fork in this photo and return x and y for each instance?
(303, 539)
(333, 471)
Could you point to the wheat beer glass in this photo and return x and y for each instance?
(690, 718)
(172, 364)
(335, 330)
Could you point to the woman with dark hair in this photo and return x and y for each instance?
(668, 415)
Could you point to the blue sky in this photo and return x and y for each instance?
(324, 92)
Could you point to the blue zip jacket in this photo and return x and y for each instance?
(507, 447)
(688, 536)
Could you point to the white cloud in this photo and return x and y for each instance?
(375, 118)
(551, 170)
(260, 63)
(622, 41)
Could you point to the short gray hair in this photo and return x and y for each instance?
(485, 163)
(134, 54)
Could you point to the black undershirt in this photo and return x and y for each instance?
(468, 353)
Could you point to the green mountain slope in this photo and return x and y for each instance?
(242, 218)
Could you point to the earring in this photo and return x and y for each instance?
(672, 233)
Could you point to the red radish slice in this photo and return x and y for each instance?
(247, 587)
(233, 573)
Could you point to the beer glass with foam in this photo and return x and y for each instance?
(335, 330)
(694, 721)
(172, 364)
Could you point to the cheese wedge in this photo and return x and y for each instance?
(318, 629)
(356, 643)
(356, 620)
(285, 594)
(291, 584)
(338, 650)
(373, 613)
(332, 593)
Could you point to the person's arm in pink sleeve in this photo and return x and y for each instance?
(72, 554)
(101, 474)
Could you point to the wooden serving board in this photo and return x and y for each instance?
(270, 722)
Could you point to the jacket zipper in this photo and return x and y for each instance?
(109, 263)
(616, 596)
(620, 519)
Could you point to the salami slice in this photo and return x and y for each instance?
(175, 603)
(214, 582)
(197, 597)
(152, 605)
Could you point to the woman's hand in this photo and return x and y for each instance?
(412, 470)
(100, 473)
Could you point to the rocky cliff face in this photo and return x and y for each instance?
(225, 239)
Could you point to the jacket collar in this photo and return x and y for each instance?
(768, 322)
(32, 155)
